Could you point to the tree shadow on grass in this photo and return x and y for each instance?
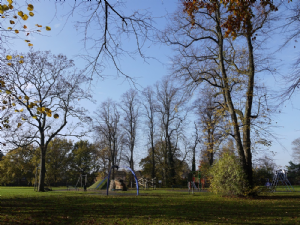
(138, 210)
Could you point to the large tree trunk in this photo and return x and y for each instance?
(247, 114)
(171, 162)
(41, 186)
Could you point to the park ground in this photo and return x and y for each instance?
(21, 205)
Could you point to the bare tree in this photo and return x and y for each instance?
(130, 105)
(292, 32)
(150, 105)
(44, 86)
(105, 26)
(172, 115)
(107, 125)
(212, 119)
(206, 55)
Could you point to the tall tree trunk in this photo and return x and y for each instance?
(41, 186)
(247, 114)
(153, 158)
(228, 100)
(171, 162)
(194, 159)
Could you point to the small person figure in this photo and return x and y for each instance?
(84, 187)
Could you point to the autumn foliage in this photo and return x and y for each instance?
(239, 12)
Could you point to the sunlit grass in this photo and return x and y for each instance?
(24, 206)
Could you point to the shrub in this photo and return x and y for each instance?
(227, 177)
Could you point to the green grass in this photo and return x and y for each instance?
(24, 206)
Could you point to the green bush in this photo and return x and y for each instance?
(227, 177)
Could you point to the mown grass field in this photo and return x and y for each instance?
(21, 205)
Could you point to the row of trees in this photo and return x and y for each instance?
(64, 163)
(218, 45)
(172, 135)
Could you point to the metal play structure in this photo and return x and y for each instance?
(146, 183)
(117, 167)
(281, 176)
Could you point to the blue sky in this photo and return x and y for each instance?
(63, 38)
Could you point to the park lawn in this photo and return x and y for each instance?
(24, 206)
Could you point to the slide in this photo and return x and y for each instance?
(100, 184)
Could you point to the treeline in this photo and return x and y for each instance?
(65, 162)
(161, 130)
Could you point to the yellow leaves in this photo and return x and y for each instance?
(27, 40)
(8, 92)
(8, 57)
(23, 118)
(2, 83)
(56, 116)
(31, 14)
(21, 110)
(48, 28)
(9, 28)
(19, 124)
(30, 7)
(30, 44)
(22, 15)
(25, 17)
(38, 25)
(16, 31)
(9, 64)
(10, 2)
(21, 61)
(20, 97)
(14, 104)
(41, 109)
(26, 97)
(4, 102)
(3, 8)
(16, 110)
(12, 22)
(21, 56)
(34, 117)
(25, 27)
(49, 114)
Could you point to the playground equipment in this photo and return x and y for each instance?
(146, 183)
(281, 176)
(80, 179)
(98, 184)
(117, 167)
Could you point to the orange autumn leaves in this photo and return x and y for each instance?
(24, 16)
(239, 13)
